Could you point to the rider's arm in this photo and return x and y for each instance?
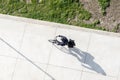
(59, 36)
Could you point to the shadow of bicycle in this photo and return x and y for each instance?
(85, 58)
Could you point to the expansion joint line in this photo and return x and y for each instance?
(87, 51)
(26, 58)
(19, 49)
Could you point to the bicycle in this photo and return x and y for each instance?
(54, 41)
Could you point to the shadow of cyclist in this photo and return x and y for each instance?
(85, 58)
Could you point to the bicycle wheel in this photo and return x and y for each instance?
(52, 41)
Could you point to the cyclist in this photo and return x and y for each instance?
(61, 40)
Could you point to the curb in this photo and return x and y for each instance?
(53, 24)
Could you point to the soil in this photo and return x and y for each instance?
(112, 17)
(111, 21)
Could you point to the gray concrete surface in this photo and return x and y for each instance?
(26, 53)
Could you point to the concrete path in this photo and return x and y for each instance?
(26, 53)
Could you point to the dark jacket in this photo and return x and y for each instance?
(64, 40)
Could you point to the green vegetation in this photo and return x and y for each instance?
(116, 28)
(34, 1)
(92, 25)
(60, 11)
(104, 4)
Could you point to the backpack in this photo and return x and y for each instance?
(71, 43)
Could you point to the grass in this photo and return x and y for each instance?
(104, 4)
(93, 25)
(61, 11)
(116, 28)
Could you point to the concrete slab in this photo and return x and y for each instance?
(35, 43)
(64, 58)
(95, 57)
(61, 57)
(7, 51)
(118, 75)
(81, 38)
(105, 50)
(26, 71)
(60, 73)
(90, 76)
(7, 66)
(12, 31)
(62, 31)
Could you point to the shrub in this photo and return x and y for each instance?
(13, 1)
(60, 11)
(35, 1)
(23, 10)
(104, 4)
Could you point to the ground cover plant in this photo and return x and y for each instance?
(61, 11)
(104, 4)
